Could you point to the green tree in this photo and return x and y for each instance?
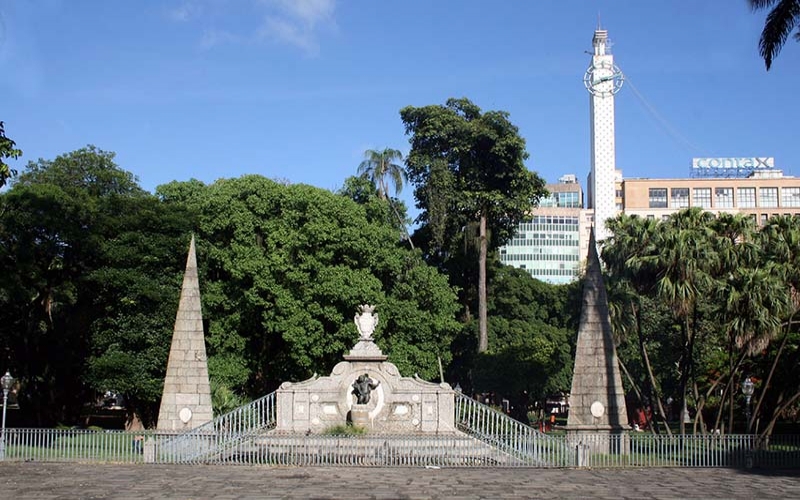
(780, 241)
(8, 149)
(53, 223)
(284, 267)
(783, 17)
(136, 284)
(468, 167)
(376, 167)
(531, 337)
(633, 238)
(683, 262)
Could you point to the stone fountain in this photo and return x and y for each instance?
(366, 390)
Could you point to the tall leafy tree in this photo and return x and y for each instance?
(467, 166)
(284, 267)
(783, 18)
(683, 264)
(52, 228)
(136, 285)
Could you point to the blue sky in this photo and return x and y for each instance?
(298, 89)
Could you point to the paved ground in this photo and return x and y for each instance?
(84, 481)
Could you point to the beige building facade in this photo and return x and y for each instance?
(763, 194)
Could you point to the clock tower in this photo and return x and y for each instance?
(603, 79)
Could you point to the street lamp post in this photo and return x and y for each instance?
(747, 390)
(7, 381)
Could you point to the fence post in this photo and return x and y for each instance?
(582, 454)
(149, 450)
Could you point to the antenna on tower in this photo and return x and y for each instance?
(599, 26)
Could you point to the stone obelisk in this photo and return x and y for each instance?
(597, 400)
(186, 399)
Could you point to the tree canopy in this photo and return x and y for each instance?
(468, 170)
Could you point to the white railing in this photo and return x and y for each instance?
(75, 445)
(588, 450)
(518, 440)
(490, 438)
(211, 441)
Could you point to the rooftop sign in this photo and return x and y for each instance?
(733, 163)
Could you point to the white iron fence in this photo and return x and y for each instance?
(487, 438)
(592, 450)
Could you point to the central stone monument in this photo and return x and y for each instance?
(597, 409)
(368, 391)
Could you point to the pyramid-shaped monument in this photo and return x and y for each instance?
(597, 400)
(186, 399)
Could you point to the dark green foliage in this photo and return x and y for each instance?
(532, 336)
(8, 149)
(700, 302)
(471, 185)
(57, 230)
(285, 268)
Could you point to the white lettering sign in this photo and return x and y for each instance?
(740, 163)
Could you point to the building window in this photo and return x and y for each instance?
(747, 198)
(764, 218)
(723, 197)
(658, 197)
(702, 197)
(790, 197)
(768, 197)
(679, 198)
(620, 193)
(569, 199)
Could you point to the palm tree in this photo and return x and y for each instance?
(780, 239)
(377, 166)
(632, 239)
(736, 251)
(682, 266)
(781, 20)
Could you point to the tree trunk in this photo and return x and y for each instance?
(402, 224)
(766, 384)
(652, 388)
(683, 383)
(780, 406)
(483, 336)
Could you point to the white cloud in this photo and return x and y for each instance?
(186, 11)
(297, 23)
(308, 12)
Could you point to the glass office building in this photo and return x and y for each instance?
(550, 245)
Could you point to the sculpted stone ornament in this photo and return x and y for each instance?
(362, 388)
(366, 321)
(365, 349)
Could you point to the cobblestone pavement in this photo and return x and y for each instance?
(85, 481)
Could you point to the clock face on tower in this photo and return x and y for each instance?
(603, 79)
